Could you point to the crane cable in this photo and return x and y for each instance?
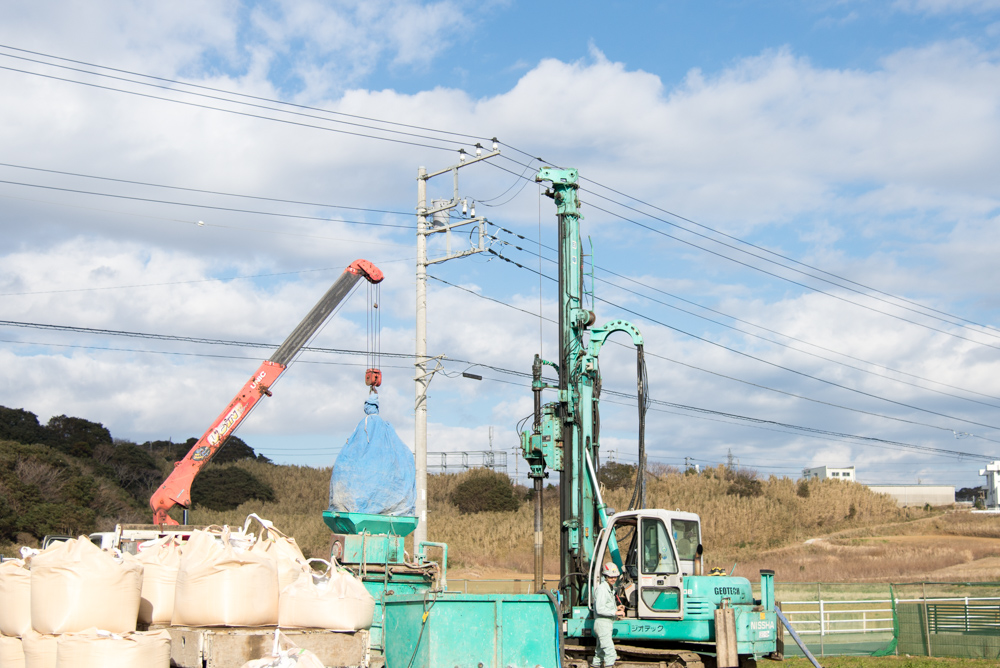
(373, 344)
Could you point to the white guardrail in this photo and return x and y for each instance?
(829, 617)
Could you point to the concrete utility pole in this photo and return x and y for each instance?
(440, 223)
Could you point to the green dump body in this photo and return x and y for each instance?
(470, 631)
(358, 523)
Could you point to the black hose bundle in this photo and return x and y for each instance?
(642, 385)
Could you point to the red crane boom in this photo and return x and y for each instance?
(176, 489)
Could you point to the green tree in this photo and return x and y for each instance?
(17, 424)
(76, 436)
(969, 494)
(234, 450)
(225, 488)
(8, 521)
(485, 490)
(57, 518)
(134, 469)
(615, 476)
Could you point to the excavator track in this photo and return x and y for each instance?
(632, 656)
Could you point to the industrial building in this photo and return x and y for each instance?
(905, 495)
(824, 472)
(918, 495)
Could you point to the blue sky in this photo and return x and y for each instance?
(853, 145)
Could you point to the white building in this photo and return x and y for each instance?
(992, 474)
(823, 472)
(918, 495)
(905, 495)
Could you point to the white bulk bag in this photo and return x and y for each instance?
(281, 548)
(15, 594)
(11, 652)
(220, 585)
(39, 650)
(336, 601)
(76, 586)
(292, 657)
(160, 560)
(99, 649)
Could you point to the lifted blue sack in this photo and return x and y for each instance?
(374, 473)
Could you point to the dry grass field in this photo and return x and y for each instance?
(834, 532)
(951, 547)
(820, 531)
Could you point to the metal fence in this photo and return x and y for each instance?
(948, 620)
(930, 619)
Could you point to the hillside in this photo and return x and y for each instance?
(72, 477)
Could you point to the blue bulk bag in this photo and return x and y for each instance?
(374, 473)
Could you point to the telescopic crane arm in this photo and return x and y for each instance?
(176, 489)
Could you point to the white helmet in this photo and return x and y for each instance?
(610, 570)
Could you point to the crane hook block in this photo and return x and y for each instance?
(366, 269)
(373, 377)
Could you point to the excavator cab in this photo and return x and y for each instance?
(660, 549)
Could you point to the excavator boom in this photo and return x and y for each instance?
(176, 489)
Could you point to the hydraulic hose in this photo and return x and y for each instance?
(558, 617)
(642, 386)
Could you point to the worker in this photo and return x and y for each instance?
(605, 612)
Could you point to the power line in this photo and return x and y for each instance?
(240, 102)
(521, 266)
(232, 111)
(237, 94)
(785, 368)
(802, 285)
(817, 378)
(752, 324)
(516, 162)
(525, 375)
(185, 339)
(764, 338)
(811, 432)
(772, 274)
(783, 257)
(790, 394)
(156, 285)
(596, 194)
(778, 366)
(761, 248)
(205, 206)
(207, 192)
(517, 247)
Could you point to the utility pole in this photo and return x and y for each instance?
(423, 376)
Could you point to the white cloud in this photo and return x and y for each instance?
(882, 175)
(946, 6)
